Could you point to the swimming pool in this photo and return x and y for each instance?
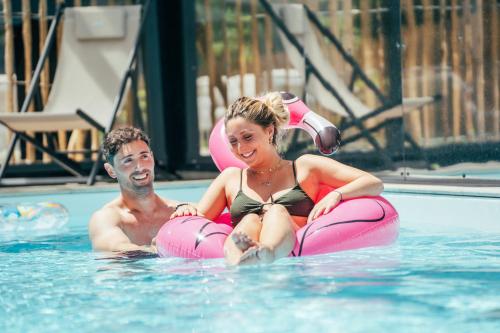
(443, 275)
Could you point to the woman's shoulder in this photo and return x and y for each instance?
(227, 179)
(309, 160)
(306, 165)
(229, 173)
(316, 163)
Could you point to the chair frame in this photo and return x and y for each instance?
(353, 120)
(60, 158)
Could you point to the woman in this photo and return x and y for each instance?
(273, 197)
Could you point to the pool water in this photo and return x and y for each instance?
(442, 275)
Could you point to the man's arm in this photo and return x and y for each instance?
(106, 235)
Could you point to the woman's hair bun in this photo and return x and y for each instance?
(274, 102)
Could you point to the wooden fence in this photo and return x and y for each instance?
(75, 141)
(450, 48)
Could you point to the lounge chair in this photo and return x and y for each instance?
(4, 132)
(295, 23)
(95, 62)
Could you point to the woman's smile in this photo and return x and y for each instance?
(248, 155)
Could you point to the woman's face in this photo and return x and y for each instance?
(249, 142)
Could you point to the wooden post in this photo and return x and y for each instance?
(62, 137)
(469, 75)
(347, 36)
(210, 58)
(241, 47)
(343, 29)
(335, 29)
(128, 106)
(268, 41)
(381, 63)
(9, 63)
(490, 42)
(95, 143)
(428, 47)
(455, 37)
(410, 65)
(367, 48)
(477, 53)
(255, 47)
(77, 137)
(443, 27)
(27, 44)
(286, 66)
(44, 75)
(495, 69)
(324, 46)
(9, 55)
(227, 53)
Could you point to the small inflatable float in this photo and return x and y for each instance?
(32, 216)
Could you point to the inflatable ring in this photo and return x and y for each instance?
(32, 216)
(352, 224)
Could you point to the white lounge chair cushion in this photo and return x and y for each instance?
(89, 71)
(42, 122)
(96, 23)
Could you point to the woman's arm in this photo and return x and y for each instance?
(214, 201)
(348, 182)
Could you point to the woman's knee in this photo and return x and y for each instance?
(250, 218)
(278, 217)
(249, 224)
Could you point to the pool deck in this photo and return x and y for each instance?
(488, 192)
(390, 187)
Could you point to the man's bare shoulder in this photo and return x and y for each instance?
(168, 203)
(108, 215)
(106, 230)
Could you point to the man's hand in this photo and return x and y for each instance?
(136, 254)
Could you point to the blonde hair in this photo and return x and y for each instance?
(264, 111)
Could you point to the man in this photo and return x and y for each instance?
(131, 221)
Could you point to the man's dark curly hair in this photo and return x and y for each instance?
(114, 140)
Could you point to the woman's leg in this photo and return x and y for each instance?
(277, 237)
(244, 236)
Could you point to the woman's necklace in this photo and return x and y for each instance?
(268, 182)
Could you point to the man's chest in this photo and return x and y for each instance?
(141, 229)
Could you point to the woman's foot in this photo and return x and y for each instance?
(257, 255)
(242, 241)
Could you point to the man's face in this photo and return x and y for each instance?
(133, 166)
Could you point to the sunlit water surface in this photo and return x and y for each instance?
(426, 282)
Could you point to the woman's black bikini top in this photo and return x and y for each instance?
(296, 201)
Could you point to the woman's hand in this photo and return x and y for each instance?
(325, 205)
(185, 209)
(153, 245)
